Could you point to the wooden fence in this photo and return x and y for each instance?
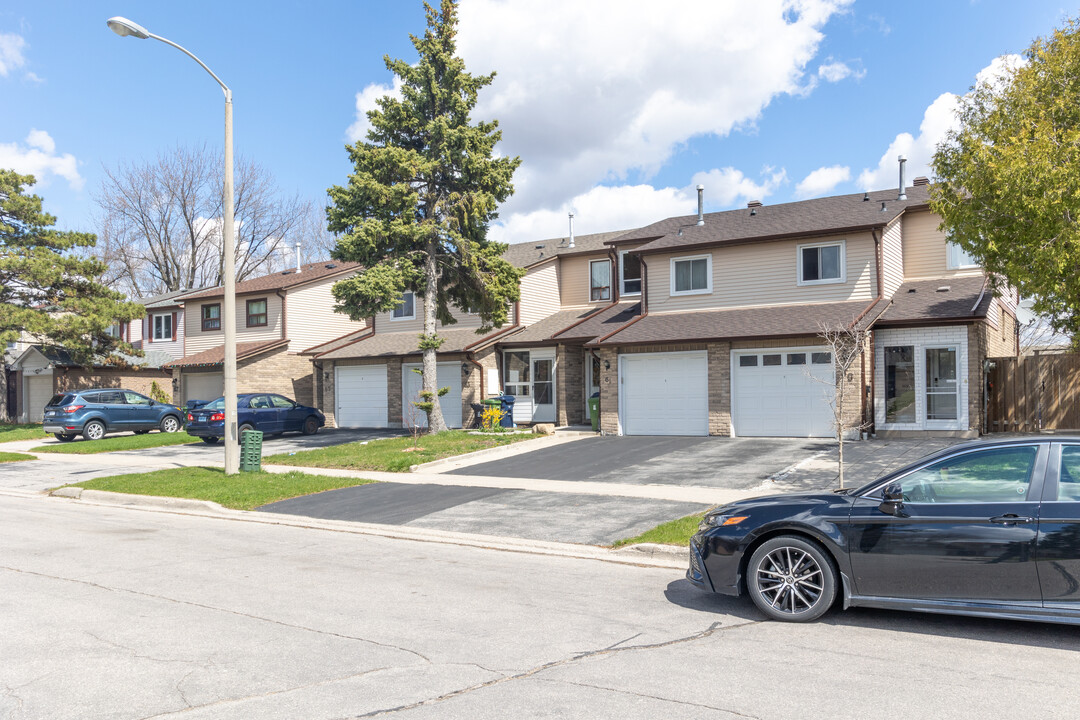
(1039, 392)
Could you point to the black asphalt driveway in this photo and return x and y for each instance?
(707, 461)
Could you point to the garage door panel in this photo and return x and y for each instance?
(361, 397)
(203, 386)
(665, 394)
(781, 400)
(39, 392)
(446, 375)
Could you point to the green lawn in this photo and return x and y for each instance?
(10, 432)
(6, 457)
(245, 491)
(674, 532)
(394, 454)
(112, 443)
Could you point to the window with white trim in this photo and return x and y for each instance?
(691, 275)
(407, 309)
(162, 327)
(821, 263)
(629, 273)
(599, 280)
(957, 258)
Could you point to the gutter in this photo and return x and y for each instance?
(878, 253)
(982, 294)
(763, 238)
(579, 321)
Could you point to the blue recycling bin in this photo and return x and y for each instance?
(507, 407)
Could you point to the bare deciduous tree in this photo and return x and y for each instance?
(847, 343)
(161, 221)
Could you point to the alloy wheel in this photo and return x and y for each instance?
(790, 580)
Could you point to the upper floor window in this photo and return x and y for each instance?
(821, 263)
(256, 313)
(599, 280)
(629, 273)
(407, 309)
(957, 259)
(162, 327)
(211, 317)
(691, 275)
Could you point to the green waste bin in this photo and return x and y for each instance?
(594, 413)
(251, 451)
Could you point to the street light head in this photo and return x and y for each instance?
(124, 27)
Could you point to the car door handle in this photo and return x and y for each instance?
(1011, 519)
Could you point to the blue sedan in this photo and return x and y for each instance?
(267, 412)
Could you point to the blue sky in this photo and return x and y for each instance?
(618, 108)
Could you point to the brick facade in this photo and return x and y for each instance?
(138, 381)
(279, 372)
(570, 385)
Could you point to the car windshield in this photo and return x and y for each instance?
(61, 400)
(218, 404)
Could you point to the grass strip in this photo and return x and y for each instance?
(118, 442)
(245, 491)
(394, 454)
(673, 532)
(10, 432)
(6, 457)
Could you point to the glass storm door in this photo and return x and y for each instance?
(543, 373)
(941, 385)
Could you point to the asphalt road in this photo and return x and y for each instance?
(118, 613)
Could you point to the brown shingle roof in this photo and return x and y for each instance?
(940, 299)
(758, 322)
(282, 280)
(216, 355)
(821, 216)
(406, 343)
(603, 322)
(529, 253)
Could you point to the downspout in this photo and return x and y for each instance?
(616, 291)
(284, 314)
(878, 258)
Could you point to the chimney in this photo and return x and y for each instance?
(902, 195)
(297, 257)
(753, 204)
(921, 180)
(700, 204)
(571, 230)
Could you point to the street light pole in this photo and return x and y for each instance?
(126, 28)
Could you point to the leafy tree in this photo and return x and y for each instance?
(415, 212)
(49, 287)
(1009, 189)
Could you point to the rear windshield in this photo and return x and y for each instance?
(61, 400)
(218, 404)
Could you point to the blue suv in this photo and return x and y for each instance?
(95, 413)
(268, 412)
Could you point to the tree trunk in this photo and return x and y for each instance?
(436, 423)
(3, 393)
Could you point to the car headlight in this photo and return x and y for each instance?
(719, 520)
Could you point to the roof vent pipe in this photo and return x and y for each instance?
(902, 195)
(700, 204)
(297, 257)
(571, 230)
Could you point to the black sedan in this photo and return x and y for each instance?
(267, 412)
(982, 528)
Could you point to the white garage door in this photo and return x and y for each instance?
(361, 396)
(39, 391)
(447, 375)
(203, 386)
(664, 394)
(782, 393)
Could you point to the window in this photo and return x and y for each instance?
(900, 384)
(211, 317)
(748, 361)
(136, 399)
(821, 358)
(770, 360)
(630, 273)
(113, 330)
(994, 475)
(796, 359)
(516, 378)
(281, 402)
(256, 313)
(691, 275)
(407, 309)
(957, 258)
(599, 280)
(162, 329)
(1069, 474)
(821, 263)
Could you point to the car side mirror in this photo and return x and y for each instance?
(892, 502)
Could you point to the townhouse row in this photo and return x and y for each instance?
(703, 324)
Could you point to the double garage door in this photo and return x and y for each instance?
(780, 393)
(361, 392)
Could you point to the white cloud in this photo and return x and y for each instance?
(365, 101)
(938, 119)
(11, 53)
(38, 157)
(822, 181)
(836, 71)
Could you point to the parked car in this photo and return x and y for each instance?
(95, 413)
(982, 528)
(270, 413)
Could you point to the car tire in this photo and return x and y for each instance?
(169, 424)
(210, 440)
(65, 437)
(242, 429)
(792, 579)
(311, 426)
(94, 430)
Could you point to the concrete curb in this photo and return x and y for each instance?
(662, 557)
(495, 453)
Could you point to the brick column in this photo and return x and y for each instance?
(393, 393)
(570, 385)
(719, 355)
(609, 390)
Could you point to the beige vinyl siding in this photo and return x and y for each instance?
(311, 319)
(383, 323)
(892, 256)
(763, 274)
(195, 340)
(993, 313)
(574, 281)
(540, 293)
(924, 248)
(175, 349)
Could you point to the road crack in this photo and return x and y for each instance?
(651, 697)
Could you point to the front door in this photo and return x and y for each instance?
(941, 387)
(543, 389)
(966, 530)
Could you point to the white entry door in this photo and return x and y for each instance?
(543, 388)
(360, 396)
(783, 393)
(664, 393)
(447, 375)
